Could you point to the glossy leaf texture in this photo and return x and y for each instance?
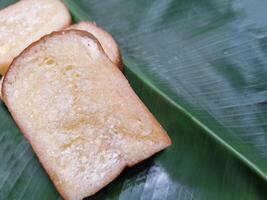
(200, 68)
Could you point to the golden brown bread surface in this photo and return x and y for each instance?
(105, 39)
(25, 22)
(79, 113)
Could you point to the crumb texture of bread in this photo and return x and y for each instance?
(79, 113)
(109, 45)
(27, 21)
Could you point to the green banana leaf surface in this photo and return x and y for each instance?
(200, 66)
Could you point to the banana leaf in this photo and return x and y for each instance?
(200, 67)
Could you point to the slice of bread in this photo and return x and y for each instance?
(79, 113)
(106, 40)
(25, 22)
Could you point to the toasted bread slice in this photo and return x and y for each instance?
(25, 22)
(106, 40)
(79, 113)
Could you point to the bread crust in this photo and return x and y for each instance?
(1, 82)
(69, 20)
(83, 25)
(39, 153)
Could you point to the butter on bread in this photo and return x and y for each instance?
(79, 113)
(105, 39)
(27, 21)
